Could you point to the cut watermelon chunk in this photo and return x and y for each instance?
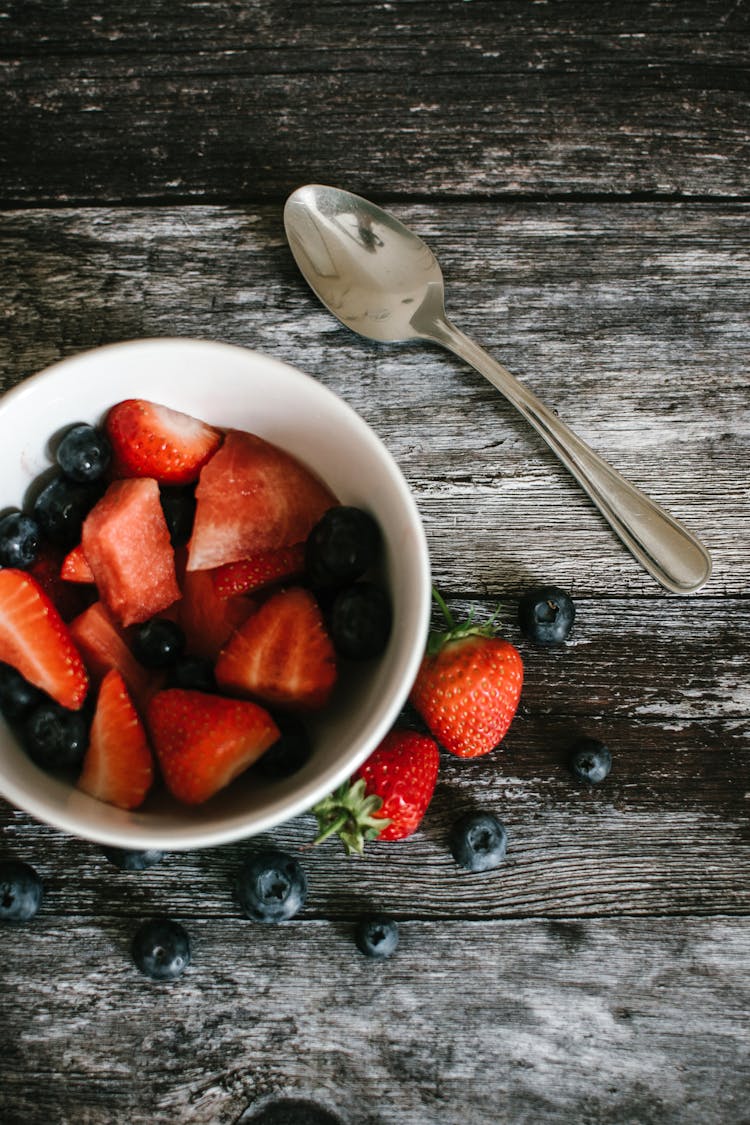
(207, 619)
(103, 647)
(253, 496)
(127, 545)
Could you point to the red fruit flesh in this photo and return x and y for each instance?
(118, 767)
(103, 647)
(126, 543)
(402, 771)
(35, 640)
(207, 619)
(68, 600)
(253, 496)
(263, 569)
(282, 654)
(75, 567)
(204, 741)
(151, 440)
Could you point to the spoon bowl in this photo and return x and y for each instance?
(367, 268)
(382, 281)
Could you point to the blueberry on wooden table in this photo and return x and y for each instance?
(84, 453)
(19, 540)
(478, 841)
(376, 935)
(161, 949)
(272, 886)
(590, 761)
(546, 615)
(20, 891)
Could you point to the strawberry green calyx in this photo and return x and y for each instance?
(455, 632)
(349, 813)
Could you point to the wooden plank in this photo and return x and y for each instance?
(625, 1022)
(630, 320)
(230, 101)
(666, 834)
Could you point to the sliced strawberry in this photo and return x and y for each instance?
(35, 640)
(103, 647)
(282, 654)
(118, 767)
(127, 545)
(68, 600)
(252, 496)
(204, 741)
(151, 440)
(207, 619)
(261, 570)
(75, 567)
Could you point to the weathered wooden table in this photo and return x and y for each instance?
(581, 171)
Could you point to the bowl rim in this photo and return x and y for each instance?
(192, 835)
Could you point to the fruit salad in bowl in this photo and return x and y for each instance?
(214, 593)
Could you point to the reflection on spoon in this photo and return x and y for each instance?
(381, 280)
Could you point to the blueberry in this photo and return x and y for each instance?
(161, 949)
(341, 546)
(54, 737)
(20, 891)
(272, 886)
(178, 505)
(84, 453)
(62, 506)
(158, 643)
(19, 540)
(376, 935)
(289, 753)
(590, 761)
(478, 841)
(133, 860)
(546, 615)
(17, 696)
(192, 673)
(360, 621)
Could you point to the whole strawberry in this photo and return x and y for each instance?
(468, 686)
(387, 796)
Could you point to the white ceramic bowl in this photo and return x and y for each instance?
(232, 387)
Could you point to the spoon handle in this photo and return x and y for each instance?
(667, 550)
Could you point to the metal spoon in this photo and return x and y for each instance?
(382, 281)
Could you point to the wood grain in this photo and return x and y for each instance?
(580, 169)
(630, 1022)
(239, 102)
(629, 320)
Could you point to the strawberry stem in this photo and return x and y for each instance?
(449, 620)
(439, 637)
(349, 813)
